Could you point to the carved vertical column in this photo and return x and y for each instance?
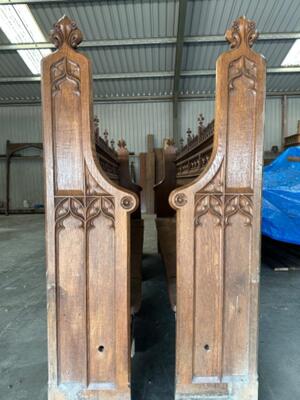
(87, 238)
(218, 237)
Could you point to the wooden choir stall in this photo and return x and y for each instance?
(88, 232)
(213, 274)
(178, 168)
(117, 168)
(94, 233)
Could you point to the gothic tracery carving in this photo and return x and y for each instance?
(238, 204)
(100, 205)
(84, 210)
(69, 206)
(208, 204)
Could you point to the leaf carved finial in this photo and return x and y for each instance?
(106, 134)
(170, 142)
(122, 144)
(122, 149)
(66, 32)
(242, 33)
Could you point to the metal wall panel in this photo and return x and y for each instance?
(21, 124)
(293, 114)
(272, 123)
(189, 112)
(133, 121)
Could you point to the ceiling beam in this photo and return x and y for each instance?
(154, 41)
(212, 72)
(93, 43)
(123, 99)
(179, 44)
(96, 77)
(147, 75)
(262, 37)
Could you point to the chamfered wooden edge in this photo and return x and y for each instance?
(241, 37)
(66, 37)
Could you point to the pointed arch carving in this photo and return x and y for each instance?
(87, 237)
(218, 236)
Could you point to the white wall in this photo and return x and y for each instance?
(273, 128)
(21, 124)
(189, 112)
(293, 114)
(132, 121)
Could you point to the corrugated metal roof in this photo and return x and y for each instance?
(204, 56)
(11, 64)
(134, 19)
(113, 19)
(283, 82)
(133, 87)
(276, 83)
(20, 91)
(131, 59)
(197, 85)
(212, 17)
(3, 38)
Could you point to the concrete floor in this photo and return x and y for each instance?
(23, 357)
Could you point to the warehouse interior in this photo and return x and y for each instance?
(154, 67)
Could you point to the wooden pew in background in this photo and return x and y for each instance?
(87, 236)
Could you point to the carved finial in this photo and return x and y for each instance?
(243, 32)
(112, 144)
(169, 146)
(65, 32)
(122, 144)
(170, 142)
(189, 135)
(200, 124)
(122, 150)
(105, 134)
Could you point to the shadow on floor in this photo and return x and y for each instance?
(153, 366)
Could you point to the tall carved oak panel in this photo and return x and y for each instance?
(218, 237)
(88, 240)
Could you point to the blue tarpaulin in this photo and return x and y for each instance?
(281, 197)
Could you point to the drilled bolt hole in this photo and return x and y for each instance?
(101, 349)
(206, 347)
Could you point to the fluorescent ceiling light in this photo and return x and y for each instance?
(19, 26)
(293, 56)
